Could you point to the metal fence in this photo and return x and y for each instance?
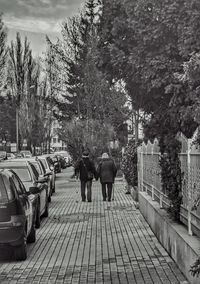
(150, 179)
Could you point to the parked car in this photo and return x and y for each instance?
(49, 168)
(26, 154)
(3, 155)
(11, 156)
(66, 156)
(17, 214)
(30, 178)
(56, 163)
(42, 173)
(62, 160)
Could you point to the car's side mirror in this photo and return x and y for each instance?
(42, 179)
(34, 190)
(52, 168)
(48, 173)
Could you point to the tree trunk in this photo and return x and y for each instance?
(17, 129)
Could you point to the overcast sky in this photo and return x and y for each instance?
(35, 18)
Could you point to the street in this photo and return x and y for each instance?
(98, 242)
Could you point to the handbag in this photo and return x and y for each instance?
(89, 173)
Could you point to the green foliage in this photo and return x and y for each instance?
(84, 92)
(145, 44)
(7, 118)
(171, 176)
(3, 55)
(91, 135)
(129, 163)
(27, 93)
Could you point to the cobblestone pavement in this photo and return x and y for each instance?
(98, 242)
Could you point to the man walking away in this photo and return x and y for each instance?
(107, 172)
(86, 170)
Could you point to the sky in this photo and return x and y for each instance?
(36, 18)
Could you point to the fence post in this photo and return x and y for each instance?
(152, 159)
(141, 170)
(152, 192)
(146, 156)
(189, 187)
(161, 200)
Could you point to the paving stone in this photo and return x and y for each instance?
(98, 242)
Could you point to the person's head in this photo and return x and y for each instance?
(105, 156)
(85, 154)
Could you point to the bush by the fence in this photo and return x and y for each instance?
(129, 163)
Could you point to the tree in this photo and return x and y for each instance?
(7, 118)
(18, 60)
(140, 45)
(79, 135)
(3, 55)
(84, 92)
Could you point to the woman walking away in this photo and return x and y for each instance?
(106, 172)
(86, 170)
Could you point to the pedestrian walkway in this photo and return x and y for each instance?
(98, 242)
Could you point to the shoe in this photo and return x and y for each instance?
(83, 200)
(89, 200)
(109, 200)
(104, 199)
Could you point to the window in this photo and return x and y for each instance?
(19, 187)
(35, 172)
(9, 188)
(44, 162)
(54, 140)
(42, 166)
(3, 195)
(37, 166)
(23, 174)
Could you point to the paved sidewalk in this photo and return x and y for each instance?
(98, 242)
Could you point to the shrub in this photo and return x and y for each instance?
(129, 163)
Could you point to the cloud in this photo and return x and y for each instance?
(38, 15)
(34, 18)
(42, 9)
(33, 25)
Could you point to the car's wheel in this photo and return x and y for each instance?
(38, 221)
(32, 236)
(21, 251)
(46, 212)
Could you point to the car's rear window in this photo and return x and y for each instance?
(6, 190)
(44, 162)
(3, 195)
(23, 174)
(37, 166)
(42, 166)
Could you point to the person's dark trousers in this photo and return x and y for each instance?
(89, 190)
(83, 185)
(103, 187)
(109, 185)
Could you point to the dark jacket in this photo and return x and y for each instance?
(107, 171)
(83, 170)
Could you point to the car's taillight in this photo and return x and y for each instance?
(17, 220)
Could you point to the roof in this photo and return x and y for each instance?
(14, 162)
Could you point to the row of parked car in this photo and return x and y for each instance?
(26, 188)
